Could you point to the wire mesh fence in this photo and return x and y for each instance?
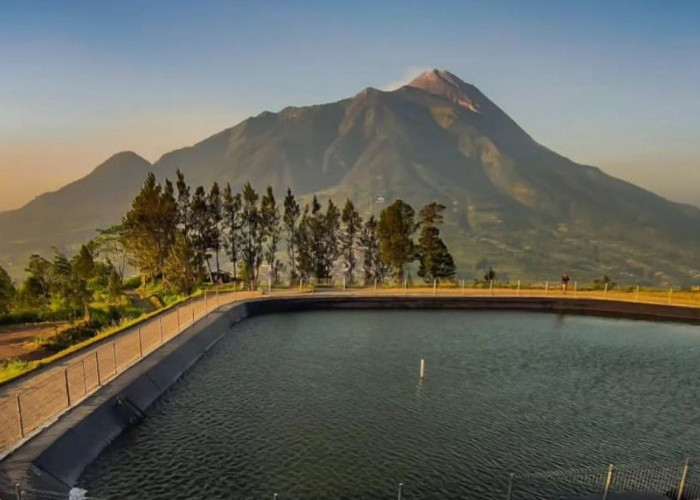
(674, 481)
(32, 405)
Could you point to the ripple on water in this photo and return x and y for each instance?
(328, 404)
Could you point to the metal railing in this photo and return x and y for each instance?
(28, 405)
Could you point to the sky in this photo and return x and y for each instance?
(609, 83)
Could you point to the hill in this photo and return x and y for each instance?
(514, 204)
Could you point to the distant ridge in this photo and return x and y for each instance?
(513, 203)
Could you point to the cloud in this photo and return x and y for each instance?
(408, 74)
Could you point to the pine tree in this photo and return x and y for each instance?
(436, 263)
(395, 229)
(352, 225)
(36, 289)
(202, 228)
(271, 219)
(291, 215)
(232, 221)
(329, 247)
(372, 265)
(214, 206)
(303, 242)
(251, 247)
(149, 227)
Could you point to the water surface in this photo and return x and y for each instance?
(328, 404)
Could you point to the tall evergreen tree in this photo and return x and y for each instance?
(232, 222)
(251, 247)
(149, 227)
(329, 247)
(202, 228)
(68, 287)
(110, 243)
(395, 229)
(303, 242)
(271, 219)
(436, 263)
(352, 225)
(214, 205)
(372, 265)
(290, 219)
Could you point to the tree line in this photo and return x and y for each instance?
(180, 236)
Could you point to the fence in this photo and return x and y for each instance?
(27, 407)
(674, 481)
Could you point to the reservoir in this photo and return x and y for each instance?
(329, 404)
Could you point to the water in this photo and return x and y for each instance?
(328, 404)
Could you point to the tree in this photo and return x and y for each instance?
(352, 225)
(149, 227)
(110, 244)
(214, 207)
(7, 291)
(304, 245)
(69, 289)
(329, 247)
(291, 215)
(182, 267)
(251, 243)
(202, 228)
(395, 229)
(36, 287)
(270, 220)
(372, 265)
(436, 263)
(232, 222)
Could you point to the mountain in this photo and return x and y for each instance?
(513, 203)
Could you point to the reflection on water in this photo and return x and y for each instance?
(329, 404)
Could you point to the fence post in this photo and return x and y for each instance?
(608, 481)
(546, 287)
(97, 364)
(605, 293)
(177, 312)
(140, 344)
(18, 491)
(400, 491)
(463, 288)
(518, 288)
(217, 295)
(375, 286)
(160, 327)
(636, 297)
(670, 294)
(575, 288)
(114, 355)
(509, 495)
(491, 287)
(684, 476)
(84, 379)
(206, 304)
(65, 376)
(19, 413)
(192, 306)
(301, 281)
(434, 286)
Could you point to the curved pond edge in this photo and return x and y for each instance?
(55, 458)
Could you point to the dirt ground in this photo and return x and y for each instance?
(16, 340)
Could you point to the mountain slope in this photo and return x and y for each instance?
(513, 203)
(72, 214)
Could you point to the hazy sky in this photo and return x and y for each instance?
(608, 83)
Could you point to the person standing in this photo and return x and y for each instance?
(564, 282)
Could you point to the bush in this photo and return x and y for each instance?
(132, 283)
(34, 316)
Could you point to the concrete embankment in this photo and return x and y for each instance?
(55, 458)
